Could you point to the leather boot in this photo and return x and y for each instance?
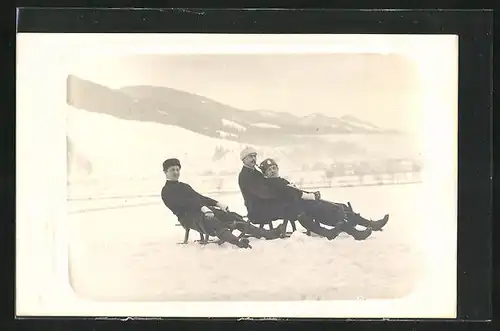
(227, 236)
(356, 218)
(356, 234)
(247, 228)
(309, 224)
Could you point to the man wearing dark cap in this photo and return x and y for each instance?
(204, 214)
(264, 204)
(332, 214)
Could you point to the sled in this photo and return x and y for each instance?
(204, 238)
(244, 235)
(310, 234)
(201, 242)
(271, 226)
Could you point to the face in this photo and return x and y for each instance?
(250, 160)
(272, 171)
(173, 173)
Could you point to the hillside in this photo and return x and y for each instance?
(160, 115)
(102, 145)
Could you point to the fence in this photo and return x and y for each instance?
(147, 188)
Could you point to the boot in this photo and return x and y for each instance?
(378, 225)
(247, 228)
(227, 236)
(280, 231)
(356, 218)
(243, 243)
(309, 224)
(356, 234)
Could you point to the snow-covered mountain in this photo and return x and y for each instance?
(206, 116)
(127, 133)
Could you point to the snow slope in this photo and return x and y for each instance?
(111, 156)
(131, 149)
(233, 125)
(266, 125)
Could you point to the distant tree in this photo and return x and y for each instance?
(406, 167)
(416, 166)
(208, 172)
(339, 169)
(379, 178)
(416, 169)
(329, 175)
(219, 153)
(361, 170)
(87, 165)
(318, 166)
(377, 170)
(393, 168)
(219, 184)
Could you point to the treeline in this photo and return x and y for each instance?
(389, 171)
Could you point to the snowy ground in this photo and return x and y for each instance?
(127, 250)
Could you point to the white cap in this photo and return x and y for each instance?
(247, 151)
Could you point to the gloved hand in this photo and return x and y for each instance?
(308, 196)
(209, 214)
(243, 243)
(223, 207)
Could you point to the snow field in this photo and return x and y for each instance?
(131, 253)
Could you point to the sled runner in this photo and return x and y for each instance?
(231, 222)
(271, 226)
(203, 237)
(209, 241)
(245, 219)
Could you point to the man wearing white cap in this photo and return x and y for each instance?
(265, 205)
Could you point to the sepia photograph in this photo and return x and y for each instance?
(279, 176)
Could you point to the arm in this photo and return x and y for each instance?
(284, 188)
(206, 201)
(308, 196)
(305, 195)
(184, 200)
(316, 195)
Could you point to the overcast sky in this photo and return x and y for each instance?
(383, 89)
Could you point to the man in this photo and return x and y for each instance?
(265, 204)
(325, 212)
(204, 214)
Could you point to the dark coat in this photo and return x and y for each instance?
(185, 203)
(325, 212)
(263, 202)
(284, 189)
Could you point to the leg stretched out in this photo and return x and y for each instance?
(214, 227)
(235, 221)
(335, 214)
